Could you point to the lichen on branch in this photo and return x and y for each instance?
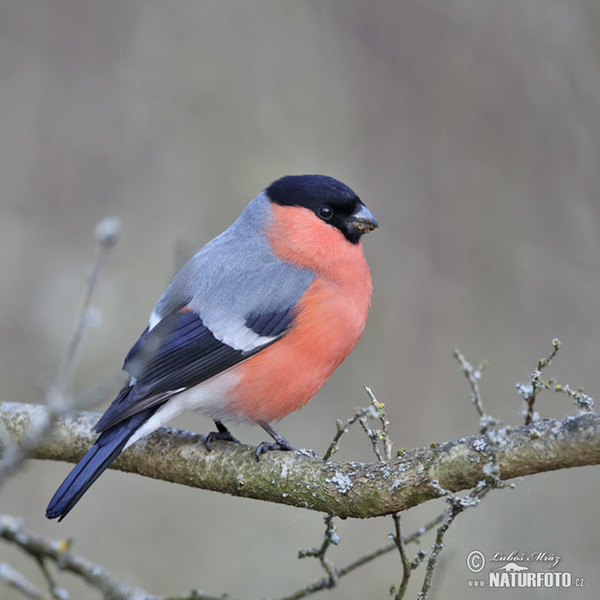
(347, 489)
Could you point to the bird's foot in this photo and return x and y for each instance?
(222, 433)
(280, 442)
(265, 447)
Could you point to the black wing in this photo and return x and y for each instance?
(178, 353)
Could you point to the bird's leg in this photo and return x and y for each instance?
(280, 442)
(222, 433)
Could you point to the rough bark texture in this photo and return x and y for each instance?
(346, 489)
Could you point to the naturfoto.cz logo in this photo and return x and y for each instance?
(506, 570)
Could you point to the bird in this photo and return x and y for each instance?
(249, 329)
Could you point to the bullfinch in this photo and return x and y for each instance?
(249, 329)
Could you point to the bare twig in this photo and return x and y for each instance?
(324, 582)
(342, 428)
(57, 400)
(580, 399)
(12, 578)
(536, 384)
(408, 566)
(107, 233)
(494, 435)
(473, 376)
(374, 411)
(330, 537)
(529, 391)
(378, 436)
(57, 551)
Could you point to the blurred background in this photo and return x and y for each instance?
(469, 127)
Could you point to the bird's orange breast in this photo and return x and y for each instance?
(330, 318)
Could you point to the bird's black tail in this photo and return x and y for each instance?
(98, 458)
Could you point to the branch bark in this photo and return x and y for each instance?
(12, 530)
(346, 489)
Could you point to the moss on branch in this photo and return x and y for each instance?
(346, 489)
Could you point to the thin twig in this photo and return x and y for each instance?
(12, 578)
(107, 234)
(473, 376)
(57, 551)
(57, 400)
(374, 411)
(580, 399)
(408, 566)
(324, 582)
(342, 428)
(378, 435)
(530, 391)
(330, 537)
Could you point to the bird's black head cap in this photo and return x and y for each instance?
(331, 200)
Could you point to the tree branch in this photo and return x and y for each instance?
(57, 551)
(346, 489)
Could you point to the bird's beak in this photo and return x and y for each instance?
(363, 220)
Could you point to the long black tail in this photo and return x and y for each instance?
(98, 458)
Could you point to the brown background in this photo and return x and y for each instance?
(470, 128)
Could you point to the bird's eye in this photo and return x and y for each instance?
(325, 212)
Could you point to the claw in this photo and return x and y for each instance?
(280, 442)
(222, 433)
(264, 447)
